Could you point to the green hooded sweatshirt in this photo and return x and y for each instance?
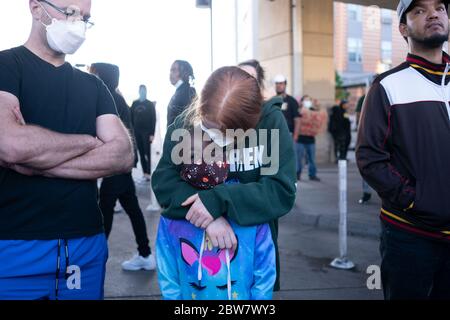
(257, 199)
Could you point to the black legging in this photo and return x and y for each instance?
(143, 144)
(122, 188)
(341, 145)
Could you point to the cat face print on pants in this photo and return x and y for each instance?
(213, 283)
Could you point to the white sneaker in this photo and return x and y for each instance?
(118, 208)
(138, 262)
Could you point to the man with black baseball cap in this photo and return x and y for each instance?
(403, 152)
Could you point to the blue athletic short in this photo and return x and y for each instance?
(33, 270)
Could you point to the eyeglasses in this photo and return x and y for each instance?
(71, 12)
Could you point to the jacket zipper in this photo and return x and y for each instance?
(444, 89)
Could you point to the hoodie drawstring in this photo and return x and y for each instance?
(58, 264)
(202, 248)
(66, 244)
(228, 262)
(227, 257)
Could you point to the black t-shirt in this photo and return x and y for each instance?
(290, 108)
(143, 115)
(306, 139)
(65, 100)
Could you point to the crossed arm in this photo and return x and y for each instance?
(114, 156)
(32, 150)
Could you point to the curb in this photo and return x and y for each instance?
(331, 223)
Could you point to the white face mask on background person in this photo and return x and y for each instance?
(308, 104)
(65, 36)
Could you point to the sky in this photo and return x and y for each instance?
(143, 37)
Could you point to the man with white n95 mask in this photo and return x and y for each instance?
(59, 132)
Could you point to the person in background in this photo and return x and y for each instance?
(306, 142)
(340, 129)
(254, 68)
(143, 118)
(290, 109)
(181, 77)
(121, 187)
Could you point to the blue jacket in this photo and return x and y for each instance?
(250, 276)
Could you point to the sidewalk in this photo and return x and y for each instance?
(317, 203)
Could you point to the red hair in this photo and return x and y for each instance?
(232, 99)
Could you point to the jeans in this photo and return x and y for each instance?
(366, 188)
(310, 150)
(413, 267)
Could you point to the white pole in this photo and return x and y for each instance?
(342, 262)
(343, 208)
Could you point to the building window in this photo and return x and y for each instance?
(386, 52)
(386, 16)
(354, 48)
(354, 12)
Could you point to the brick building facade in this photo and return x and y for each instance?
(366, 42)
